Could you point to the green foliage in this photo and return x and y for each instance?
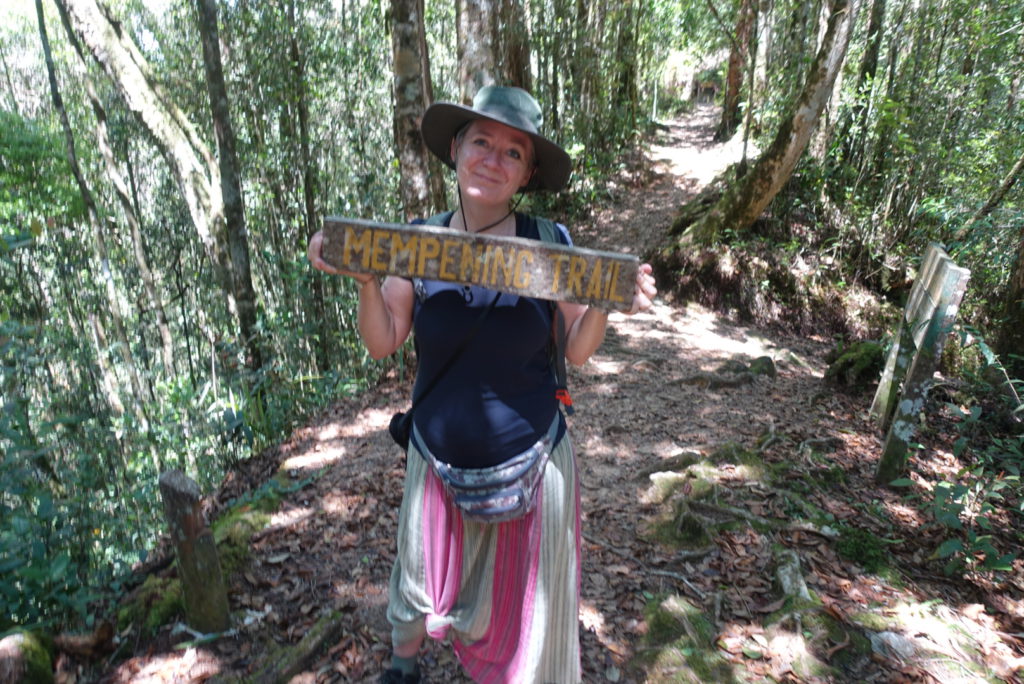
(82, 450)
(36, 188)
(970, 507)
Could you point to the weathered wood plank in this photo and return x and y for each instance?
(516, 265)
(917, 307)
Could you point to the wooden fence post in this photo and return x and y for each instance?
(202, 583)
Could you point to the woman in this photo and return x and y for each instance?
(485, 394)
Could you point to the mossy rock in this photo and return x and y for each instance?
(763, 365)
(232, 533)
(857, 366)
(157, 602)
(235, 527)
(680, 645)
(25, 658)
(749, 464)
(863, 547)
(664, 485)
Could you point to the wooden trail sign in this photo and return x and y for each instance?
(531, 268)
(927, 320)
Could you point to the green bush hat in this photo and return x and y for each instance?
(510, 106)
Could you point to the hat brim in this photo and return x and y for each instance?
(442, 121)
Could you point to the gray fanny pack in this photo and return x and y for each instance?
(498, 493)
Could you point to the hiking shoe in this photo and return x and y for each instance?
(395, 676)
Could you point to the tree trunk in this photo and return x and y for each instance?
(230, 185)
(626, 93)
(730, 120)
(1010, 340)
(475, 41)
(191, 163)
(743, 203)
(10, 84)
(853, 130)
(128, 207)
(310, 184)
(113, 296)
(410, 92)
(512, 45)
(995, 199)
(825, 128)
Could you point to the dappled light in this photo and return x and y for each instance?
(784, 168)
(190, 665)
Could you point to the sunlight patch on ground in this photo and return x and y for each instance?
(700, 329)
(328, 450)
(287, 518)
(789, 648)
(370, 421)
(192, 665)
(907, 515)
(314, 460)
(362, 591)
(593, 621)
(336, 503)
(605, 367)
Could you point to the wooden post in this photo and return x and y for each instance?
(202, 583)
(940, 297)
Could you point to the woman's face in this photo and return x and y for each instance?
(492, 161)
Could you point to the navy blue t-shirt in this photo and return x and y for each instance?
(498, 398)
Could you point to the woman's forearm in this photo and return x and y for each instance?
(586, 334)
(375, 320)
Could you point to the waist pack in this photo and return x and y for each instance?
(496, 494)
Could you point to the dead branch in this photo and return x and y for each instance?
(681, 578)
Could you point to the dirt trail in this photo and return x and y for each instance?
(331, 543)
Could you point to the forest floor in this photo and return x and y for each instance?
(648, 411)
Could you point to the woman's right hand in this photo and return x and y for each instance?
(314, 254)
(385, 309)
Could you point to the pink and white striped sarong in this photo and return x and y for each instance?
(508, 591)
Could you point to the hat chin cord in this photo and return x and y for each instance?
(465, 223)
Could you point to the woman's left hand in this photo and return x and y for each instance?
(644, 292)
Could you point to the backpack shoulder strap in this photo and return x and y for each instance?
(441, 219)
(549, 232)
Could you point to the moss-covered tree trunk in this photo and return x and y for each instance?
(192, 164)
(742, 203)
(202, 582)
(242, 297)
